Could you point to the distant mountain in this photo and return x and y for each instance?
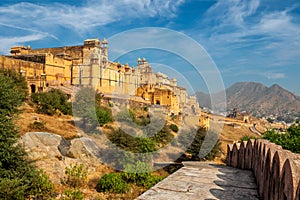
(257, 99)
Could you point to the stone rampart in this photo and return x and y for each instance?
(277, 171)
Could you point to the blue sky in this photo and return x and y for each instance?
(248, 40)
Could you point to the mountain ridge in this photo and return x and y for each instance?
(257, 99)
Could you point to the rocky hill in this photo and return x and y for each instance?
(257, 99)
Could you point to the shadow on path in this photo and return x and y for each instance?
(205, 181)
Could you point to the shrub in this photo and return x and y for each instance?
(174, 127)
(103, 115)
(140, 175)
(51, 102)
(76, 175)
(112, 182)
(130, 143)
(75, 194)
(41, 185)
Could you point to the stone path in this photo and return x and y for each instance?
(202, 180)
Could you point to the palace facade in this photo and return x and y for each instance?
(89, 65)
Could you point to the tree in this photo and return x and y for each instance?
(18, 178)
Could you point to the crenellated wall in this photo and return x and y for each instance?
(277, 171)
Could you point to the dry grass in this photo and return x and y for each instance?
(61, 125)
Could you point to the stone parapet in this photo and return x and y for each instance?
(277, 171)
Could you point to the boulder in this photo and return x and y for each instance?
(53, 154)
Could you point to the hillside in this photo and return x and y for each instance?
(257, 99)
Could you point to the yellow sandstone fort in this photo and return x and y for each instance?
(89, 65)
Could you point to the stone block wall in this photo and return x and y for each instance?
(277, 171)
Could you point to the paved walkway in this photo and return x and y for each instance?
(202, 180)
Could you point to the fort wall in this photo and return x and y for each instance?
(277, 171)
(32, 71)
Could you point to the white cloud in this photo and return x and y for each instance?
(82, 18)
(14, 41)
(232, 12)
(45, 20)
(243, 30)
(273, 75)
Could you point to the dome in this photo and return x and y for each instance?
(139, 60)
(144, 60)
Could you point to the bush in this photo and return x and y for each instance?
(103, 115)
(75, 194)
(112, 182)
(51, 102)
(130, 143)
(76, 175)
(174, 128)
(140, 175)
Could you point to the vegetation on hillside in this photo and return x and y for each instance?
(51, 102)
(75, 179)
(87, 106)
(120, 182)
(289, 140)
(193, 141)
(18, 178)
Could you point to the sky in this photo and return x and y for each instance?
(245, 40)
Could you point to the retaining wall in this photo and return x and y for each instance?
(277, 171)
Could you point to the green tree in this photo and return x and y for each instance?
(290, 140)
(12, 95)
(18, 178)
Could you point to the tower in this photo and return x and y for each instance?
(91, 62)
(104, 53)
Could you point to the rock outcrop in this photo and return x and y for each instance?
(53, 153)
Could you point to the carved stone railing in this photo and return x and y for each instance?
(277, 171)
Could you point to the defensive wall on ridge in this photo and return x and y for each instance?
(277, 171)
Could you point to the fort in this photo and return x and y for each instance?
(69, 67)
